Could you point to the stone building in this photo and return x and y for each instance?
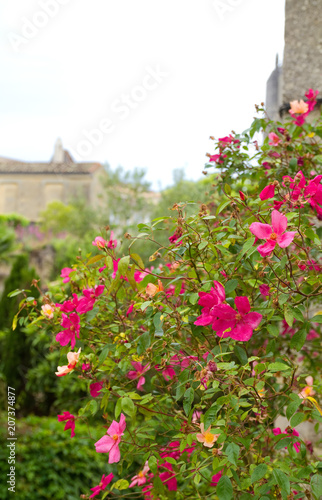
(27, 188)
(302, 61)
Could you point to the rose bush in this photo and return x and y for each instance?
(190, 362)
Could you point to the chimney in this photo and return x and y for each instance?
(58, 152)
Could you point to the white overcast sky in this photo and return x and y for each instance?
(86, 67)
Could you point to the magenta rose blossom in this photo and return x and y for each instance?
(70, 422)
(110, 442)
(238, 325)
(274, 234)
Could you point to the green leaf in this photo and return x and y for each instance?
(258, 473)
(16, 292)
(94, 259)
(153, 464)
(316, 485)
(210, 415)
(123, 265)
(121, 484)
(232, 452)
(137, 259)
(277, 367)
(282, 480)
(128, 406)
(193, 298)
(316, 319)
(224, 488)
(188, 400)
(180, 390)
(288, 315)
(297, 419)
(231, 286)
(241, 354)
(143, 343)
(103, 354)
(246, 246)
(273, 330)
(118, 408)
(298, 340)
(93, 406)
(197, 478)
(291, 409)
(222, 206)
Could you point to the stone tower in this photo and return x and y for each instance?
(302, 62)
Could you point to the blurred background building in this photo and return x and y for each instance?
(302, 61)
(27, 188)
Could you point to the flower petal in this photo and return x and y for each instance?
(253, 319)
(241, 332)
(242, 304)
(267, 193)
(115, 454)
(266, 248)
(279, 222)
(104, 444)
(122, 424)
(262, 231)
(286, 239)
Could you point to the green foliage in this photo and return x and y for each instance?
(201, 353)
(49, 464)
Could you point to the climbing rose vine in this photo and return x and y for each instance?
(203, 363)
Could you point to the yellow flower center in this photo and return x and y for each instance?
(140, 474)
(273, 236)
(209, 438)
(115, 437)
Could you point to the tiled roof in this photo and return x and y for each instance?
(8, 166)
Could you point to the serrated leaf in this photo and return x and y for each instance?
(258, 473)
(224, 489)
(230, 286)
(291, 408)
(297, 419)
(210, 415)
(222, 206)
(93, 406)
(123, 265)
(128, 406)
(143, 343)
(188, 400)
(316, 485)
(316, 319)
(193, 299)
(241, 354)
(277, 367)
(282, 480)
(298, 340)
(288, 315)
(232, 452)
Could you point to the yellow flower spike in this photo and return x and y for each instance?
(315, 404)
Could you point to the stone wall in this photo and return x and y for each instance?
(302, 64)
